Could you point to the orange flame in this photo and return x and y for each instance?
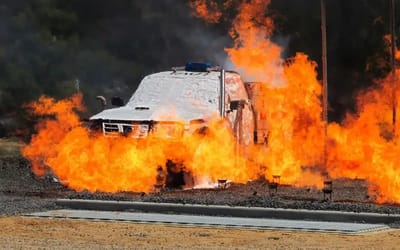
(363, 146)
(253, 53)
(291, 97)
(44, 143)
(88, 161)
(293, 112)
(206, 10)
(84, 161)
(366, 144)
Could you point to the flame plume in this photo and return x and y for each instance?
(85, 161)
(362, 146)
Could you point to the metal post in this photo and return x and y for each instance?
(222, 94)
(392, 63)
(324, 80)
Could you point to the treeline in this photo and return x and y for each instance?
(48, 46)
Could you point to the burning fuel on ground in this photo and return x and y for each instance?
(288, 99)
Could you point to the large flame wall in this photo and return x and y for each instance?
(365, 145)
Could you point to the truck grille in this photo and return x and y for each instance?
(126, 129)
(110, 128)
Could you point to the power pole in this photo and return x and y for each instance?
(393, 63)
(324, 82)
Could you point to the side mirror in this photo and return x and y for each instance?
(102, 100)
(117, 101)
(235, 105)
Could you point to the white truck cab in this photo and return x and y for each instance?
(182, 100)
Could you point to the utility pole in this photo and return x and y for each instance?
(393, 63)
(324, 82)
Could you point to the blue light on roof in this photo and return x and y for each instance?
(197, 67)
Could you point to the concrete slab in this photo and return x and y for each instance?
(198, 220)
(218, 210)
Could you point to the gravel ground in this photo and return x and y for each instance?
(15, 205)
(21, 191)
(257, 195)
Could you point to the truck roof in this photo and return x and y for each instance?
(171, 96)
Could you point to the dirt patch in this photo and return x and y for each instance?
(32, 233)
